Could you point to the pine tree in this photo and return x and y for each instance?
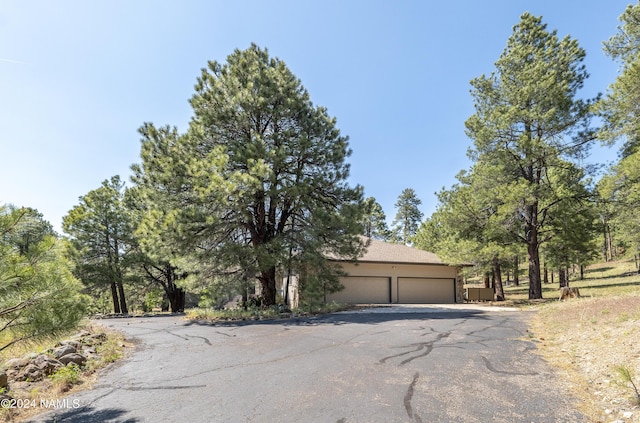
(261, 173)
(374, 221)
(408, 216)
(100, 230)
(39, 296)
(620, 109)
(528, 121)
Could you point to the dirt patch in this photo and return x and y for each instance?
(593, 341)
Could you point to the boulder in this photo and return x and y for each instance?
(63, 350)
(15, 363)
(73, 358)
(31, 373)
(73, 343)
(47, 364)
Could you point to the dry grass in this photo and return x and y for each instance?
(591, 339)
(66, 381)
(38, 346)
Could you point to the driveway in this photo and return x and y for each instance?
(394, 364)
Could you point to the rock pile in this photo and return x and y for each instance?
(35, 367)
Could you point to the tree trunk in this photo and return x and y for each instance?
(546, 273)
(114, 295)
(175, 295)
(562, 277)
(582, 272)
(516, 266)
(267, 280)
(605, 256)
(535, 284)
(245, 297)
(533, 250)
(612, 254)
(123, 302)
(498, 289)
(176, 299)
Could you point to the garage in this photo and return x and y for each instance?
(363, 289)
(426, 291)
(388, 273)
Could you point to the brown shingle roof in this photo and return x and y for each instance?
(386, 252)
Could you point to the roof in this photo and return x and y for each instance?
(386, 252)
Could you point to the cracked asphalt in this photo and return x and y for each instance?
(399, 364)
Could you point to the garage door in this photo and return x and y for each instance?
(363, 290)
(426, 291)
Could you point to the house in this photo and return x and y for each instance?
(397, 274)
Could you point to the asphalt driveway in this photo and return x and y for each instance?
(398, 364)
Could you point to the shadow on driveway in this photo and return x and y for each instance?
(90, 415)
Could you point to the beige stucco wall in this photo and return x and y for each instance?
(395, 271)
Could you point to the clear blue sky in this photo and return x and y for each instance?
(77, 79)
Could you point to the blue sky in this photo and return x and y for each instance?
(78, 78)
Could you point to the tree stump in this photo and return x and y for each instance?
(566, 292)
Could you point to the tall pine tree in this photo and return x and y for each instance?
(528, 121)
(260, 179)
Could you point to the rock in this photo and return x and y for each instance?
(73, 358)
(4, 380)
(47, 364)
(64, 350)
(15, 363)
(31, 373)
(627, 415)
(75, 344)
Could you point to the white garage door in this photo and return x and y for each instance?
(426, 291)
(362, 290)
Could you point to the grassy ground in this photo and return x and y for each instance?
(593, 341)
